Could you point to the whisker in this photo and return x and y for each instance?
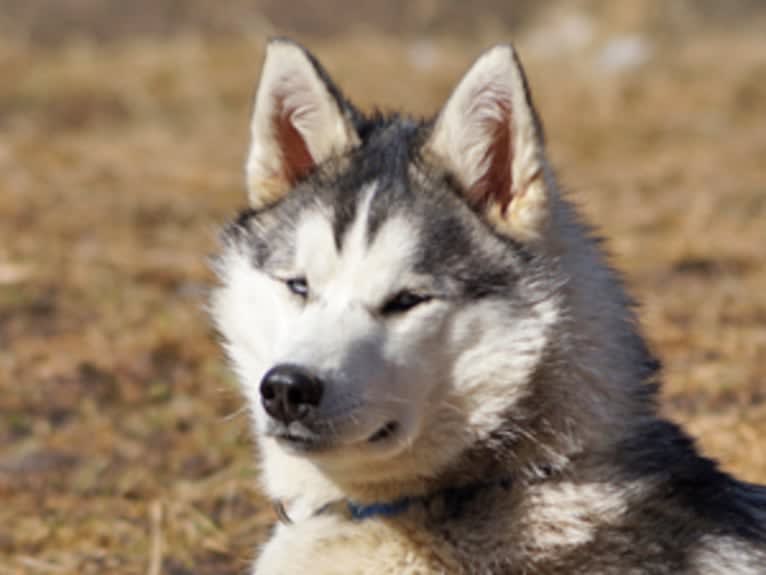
(235, 414)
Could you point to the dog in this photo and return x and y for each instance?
(445, 374)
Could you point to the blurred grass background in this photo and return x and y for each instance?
(123, 127)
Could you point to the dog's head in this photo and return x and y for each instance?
(388, 296)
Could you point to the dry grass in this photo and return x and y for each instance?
(123, 445)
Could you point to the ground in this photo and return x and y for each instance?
(123, 441)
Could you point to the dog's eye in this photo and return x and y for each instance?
(404, 301)
(299, 286)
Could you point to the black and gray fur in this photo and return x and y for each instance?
(587, 426)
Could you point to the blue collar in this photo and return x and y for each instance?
(361, 512)
(453, 498)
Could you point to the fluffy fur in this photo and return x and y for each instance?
(482, 368)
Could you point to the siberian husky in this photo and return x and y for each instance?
(445, 374)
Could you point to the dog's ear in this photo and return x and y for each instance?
(489, 135)
(299, 121)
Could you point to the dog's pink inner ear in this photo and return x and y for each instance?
(495, 185)
(298, 123)
(488, 138)
(297, 161)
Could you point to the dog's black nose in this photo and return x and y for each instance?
(289, 392)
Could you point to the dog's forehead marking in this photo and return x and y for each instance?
(316, 254)
(365, 268)
(371, 265)
(355, 243)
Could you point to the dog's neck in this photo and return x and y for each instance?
(300, 489)
(447, 503)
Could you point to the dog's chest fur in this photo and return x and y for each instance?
(565, 527)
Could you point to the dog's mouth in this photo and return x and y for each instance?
(303, 443)
(299, 438)
(312, 442)
(384, 433)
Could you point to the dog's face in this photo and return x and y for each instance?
(386, 278)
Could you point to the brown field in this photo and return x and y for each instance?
(123, 443)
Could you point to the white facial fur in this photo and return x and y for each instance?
(373, 366)
(433, 370)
